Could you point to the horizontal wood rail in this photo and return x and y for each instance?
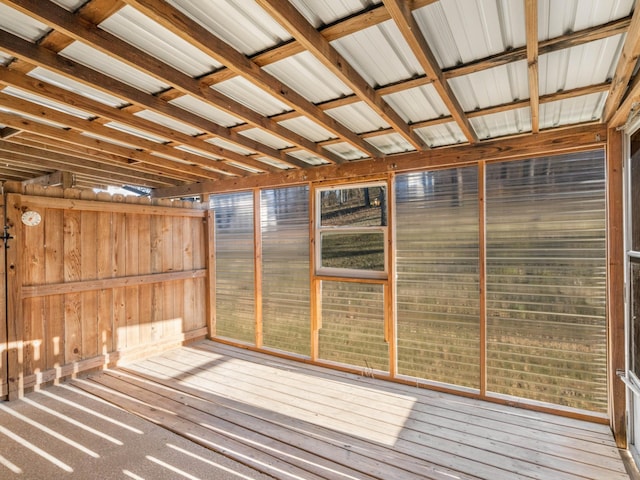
(108, 283)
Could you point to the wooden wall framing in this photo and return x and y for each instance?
(99, 280)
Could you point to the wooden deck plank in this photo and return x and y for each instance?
(415, 433)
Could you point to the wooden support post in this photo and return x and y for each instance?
(615, 286)
(210, 283)
(257, 268)
(15, 318)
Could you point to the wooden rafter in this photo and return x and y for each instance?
(192, 32)
(531, 21)
(313, 41)
(403, 17)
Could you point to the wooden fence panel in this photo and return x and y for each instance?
(100, 279)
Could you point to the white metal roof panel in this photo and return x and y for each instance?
(103, 63)
(20, 24)
(71, 5)
(495, 86)
(324, 13)
(587, 64)
(273, 162)
(305, 74)
(307, 128)
(74, 86)
(33, 118)
(379, 54)
(39, 100)
(248, 94)
(358, 117)
(460, 31)
(245, 167)
(574, 110)
(571, 16)
(136, 131)
(240, 23)
(262, 136)
(140, 31)
(308, 157)
(440, 135)
(5, 59)
(501, 124)
(346, 151)
(110, 140)
(205, 110)
(391, 143)
(229, 146)
(197, 151)
(417, 104)
(168, 122)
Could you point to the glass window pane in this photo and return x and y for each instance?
(438, 276)
(354, 207)
(361, 250)
(235, 309)
(353, 325)
(546, 274)
(635, 318)
(285, 269)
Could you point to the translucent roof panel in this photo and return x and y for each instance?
(307, 128)
(500, 124)
(574, 110)
(578, 15)
(21, 25)
(240, 23)
(587, 64)
(346, 151)
(460, 31)
(274, 163)
(417, 104)
(246, 93)
(140, 31)
(37, 99)
(324, 13)
(309, 77)
(228, 145)
(358, 117)
(308, 157)
(103, 63)
(203, 109)
(390, 143)
(265, 137)
(74, 86)
(440, 135)
(495, 86)
(168, 122)
(379, 54)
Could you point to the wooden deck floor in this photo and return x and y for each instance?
(293, 421)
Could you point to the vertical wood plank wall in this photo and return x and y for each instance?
(101, 279)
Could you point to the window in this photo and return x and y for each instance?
(351, 231)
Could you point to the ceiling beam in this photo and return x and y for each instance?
(192, 32)
(531, 23)
(313, 41)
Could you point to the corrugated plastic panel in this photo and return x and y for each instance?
(21, 25)
(248, 94)
(588, 64)
(101, 62)
(578, 15)
(140, 31)
(495, 86)
(358, 117)
(229, 146)
(503, 123)
(309, 77)
(74, 86)
(203, 109)
(379, 54)
(262, 136)
(308, 157)
(391, 143)
(307, 128)
(60, 107)
(240, 23)
(168, 122)
(136, 131)
(417, 104)
(439, 135)
(460, 31)
(346, 151)
(71, 5)
(324, 13)
(574, 110)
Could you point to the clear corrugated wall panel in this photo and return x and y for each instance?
(353, 325)
(546, 265)
(286, 319)
(437, 264)
(235, 299)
